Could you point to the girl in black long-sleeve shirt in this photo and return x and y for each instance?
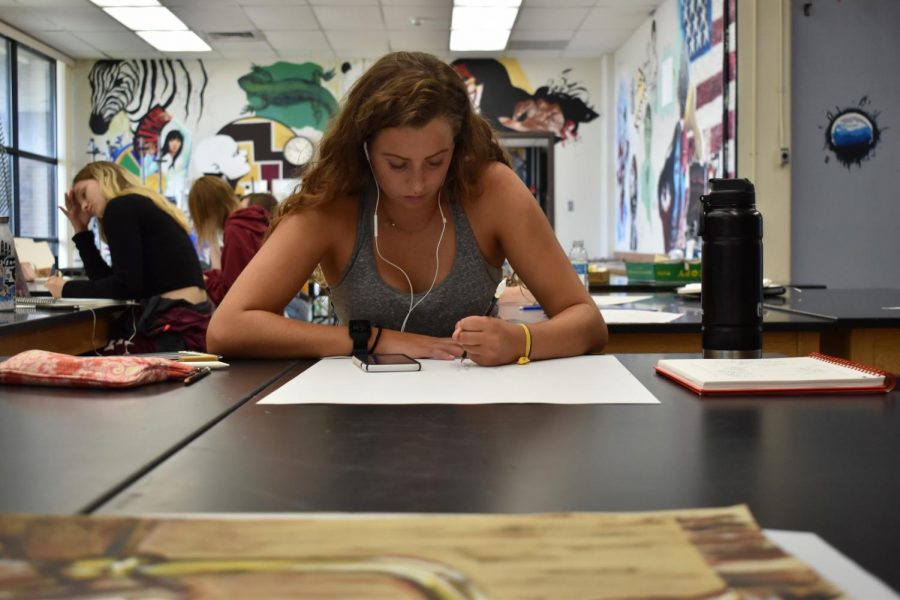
(153, 261)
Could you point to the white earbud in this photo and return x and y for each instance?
(437, 249)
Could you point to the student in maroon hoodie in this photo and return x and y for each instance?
(216, 211)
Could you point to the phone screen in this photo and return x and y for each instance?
(387, 362)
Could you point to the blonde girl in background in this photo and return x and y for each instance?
(152, 261)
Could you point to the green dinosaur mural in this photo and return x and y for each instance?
(290, 93)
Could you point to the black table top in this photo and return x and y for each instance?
(688, 307)
(827, 464)
(877, 307)
(31, 319)
(64, 450)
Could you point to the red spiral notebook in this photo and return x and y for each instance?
(813, 374)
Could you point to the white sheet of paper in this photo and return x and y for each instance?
(610, 300)
(36, 253)
(595, 379)
(626, 315)
(855, 581)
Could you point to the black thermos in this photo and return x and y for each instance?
(731, 289)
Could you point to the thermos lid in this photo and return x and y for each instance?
(730, 192)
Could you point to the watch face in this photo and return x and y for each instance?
(359, 326)
(298, 150)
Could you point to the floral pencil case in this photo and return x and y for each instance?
(39, 367)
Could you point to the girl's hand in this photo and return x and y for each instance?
(417, 346)
(55, 285)
(78, 217)
(490, 341)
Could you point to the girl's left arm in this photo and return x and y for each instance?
(524, 236)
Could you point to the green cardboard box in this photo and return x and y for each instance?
(679, 271)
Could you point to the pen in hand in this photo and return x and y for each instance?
(501, 287)
(197, 375)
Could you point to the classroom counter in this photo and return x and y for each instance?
(68, 332)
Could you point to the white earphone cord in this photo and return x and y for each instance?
(437, 249)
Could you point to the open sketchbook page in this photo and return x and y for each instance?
(576, 380)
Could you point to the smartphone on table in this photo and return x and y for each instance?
(387, 363)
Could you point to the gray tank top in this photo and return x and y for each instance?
(467, 290)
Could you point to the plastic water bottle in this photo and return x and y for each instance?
(578, 256)
(7, 266)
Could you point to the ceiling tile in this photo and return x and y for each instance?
(444, 4)
(227, 18)
(209, 3)
(28, 20)
(550, 18)
(544, 35)
(50, 3)
(360, 17)
(600, 41)
(429, 17)
(350, 38)
(82, 19)
(298, 40)
(248, 46)
(113, 42)
(615, 18)
(419, 39)
(561, 3)
(343, 3)
(253, 55)
(69, 44)
(272, 2)
(282, 17)
(535, 54)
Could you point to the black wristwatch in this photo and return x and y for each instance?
(360, 330)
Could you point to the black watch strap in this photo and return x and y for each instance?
(360, 330)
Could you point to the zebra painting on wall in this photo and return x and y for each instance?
(138, 86)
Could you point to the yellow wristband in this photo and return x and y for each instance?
(524, 360)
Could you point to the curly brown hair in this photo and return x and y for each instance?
(402, 89)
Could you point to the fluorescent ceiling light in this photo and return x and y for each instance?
(103, 3)
(149, 18)
(492, 18)
(175, 41)
(482, 24)
(485, 39)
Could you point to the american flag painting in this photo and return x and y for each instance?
(675, 85)
(704, 28)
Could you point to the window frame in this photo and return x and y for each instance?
(12, 144)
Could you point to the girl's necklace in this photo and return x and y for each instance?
(390, 221)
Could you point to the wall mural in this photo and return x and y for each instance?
(670, 135)
(145, 115)
(158, 97)
(558, 107)
(290, 93)
(852, 133)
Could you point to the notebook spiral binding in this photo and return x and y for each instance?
(889, 378)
